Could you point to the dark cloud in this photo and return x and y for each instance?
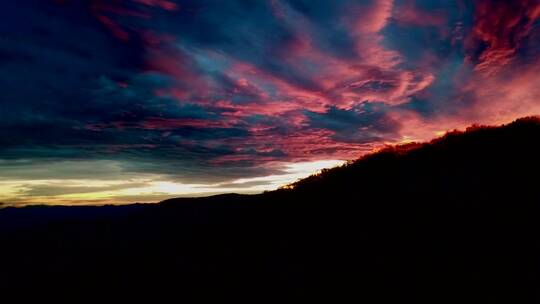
(363, 124)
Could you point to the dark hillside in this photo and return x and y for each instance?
(455, 220)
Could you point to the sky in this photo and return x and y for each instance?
(124, 101)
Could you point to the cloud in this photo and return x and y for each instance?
(501, 27)
(410, 14)
(214, 91)
(363, 124)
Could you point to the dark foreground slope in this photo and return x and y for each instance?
(452, 221)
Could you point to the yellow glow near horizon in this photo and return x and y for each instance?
(151, 188)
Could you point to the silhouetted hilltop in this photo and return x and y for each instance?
(463, 155)
(450, 221)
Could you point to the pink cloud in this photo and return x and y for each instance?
(512, 93)
(496, 92)
(171, 61)
(409, 14)
(299, 146)
(369, 18)
(374, 77)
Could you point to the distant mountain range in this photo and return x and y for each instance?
(455, 220)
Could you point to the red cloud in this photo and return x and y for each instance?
(106, 11)
(165, 4)
(157, 123)
(502, 26)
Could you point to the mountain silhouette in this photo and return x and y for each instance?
(455, 220)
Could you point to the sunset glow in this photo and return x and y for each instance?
(145, 189)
